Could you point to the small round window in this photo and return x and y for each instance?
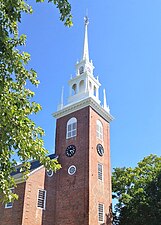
(71, 170)
(50, 173)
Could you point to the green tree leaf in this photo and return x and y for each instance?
(18, 133)
(138, 193)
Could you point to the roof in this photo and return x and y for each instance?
(35, 164)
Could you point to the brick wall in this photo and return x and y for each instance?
(72, 192)
(100, 192)
(77, 196)
(13, 216)
(32, 214)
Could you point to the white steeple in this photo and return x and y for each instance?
(84, 86)
(105, 106)
(85, 49)
(60, 106)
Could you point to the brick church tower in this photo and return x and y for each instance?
(83, 185)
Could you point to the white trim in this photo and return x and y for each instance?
(73, 132)
(22, 179)
(70, 108)
(74, 167)
(8, 207)
(35, 170)
(48, 173)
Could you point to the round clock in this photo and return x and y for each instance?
(100, 149)
(70, 150)
(72, 170)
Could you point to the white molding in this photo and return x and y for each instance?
(70, 108)
(23, 179)
(72, 172)
(35, 170)
(8, 207)
(20, 180)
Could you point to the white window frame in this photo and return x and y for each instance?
(71, 130)
(99, 130)
(74, 170)
(100, 212)
(100, 171)
(9, 205)
(41, 199)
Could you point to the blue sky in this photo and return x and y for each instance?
(125, 46)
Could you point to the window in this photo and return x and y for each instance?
(99, 130)
(49, 173)
(71, 170)
(74, 89)
(9, 204)
(100, 171)
(81, 86)
(94, 91)
(81, 70)
(41, 202)
(90, 85)
(71, 128)
(100, 212)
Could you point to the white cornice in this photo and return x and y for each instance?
(22, 179)
(70, 108)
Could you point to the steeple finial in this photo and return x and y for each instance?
(85, 50)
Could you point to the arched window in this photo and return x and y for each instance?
(99, 130)
(74, 89)
(81, 86)
(94, 91)
(90, 85)
(81, 70)
(71, 128)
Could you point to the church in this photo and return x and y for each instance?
(80, 193)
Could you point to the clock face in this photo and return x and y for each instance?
(100, 149)
(70, 150)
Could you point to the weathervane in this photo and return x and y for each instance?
(86, 20)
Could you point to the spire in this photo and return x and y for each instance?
(85, 50)
(61, 105)
(105, 106)
(62, 96)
